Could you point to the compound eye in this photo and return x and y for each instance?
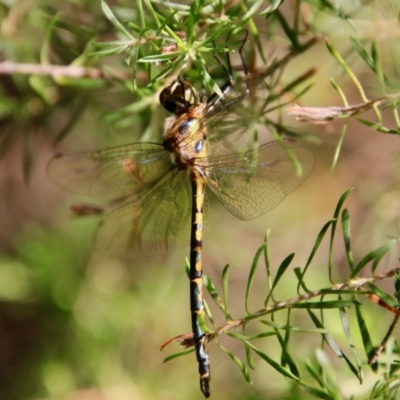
(173, 97)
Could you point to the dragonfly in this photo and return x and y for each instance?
(156, 191)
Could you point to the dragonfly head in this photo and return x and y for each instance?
(178, 97)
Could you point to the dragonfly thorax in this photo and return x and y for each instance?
(185, 137)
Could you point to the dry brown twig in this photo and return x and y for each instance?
(323, 115)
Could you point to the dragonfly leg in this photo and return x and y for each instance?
(214, 99)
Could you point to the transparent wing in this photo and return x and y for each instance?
(252, 183)
(111, 174)
(230, 118)
(157, 222)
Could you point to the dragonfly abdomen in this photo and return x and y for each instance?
(196, 281)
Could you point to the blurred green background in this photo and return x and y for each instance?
(76, 324)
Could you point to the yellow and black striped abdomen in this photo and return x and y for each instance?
(196, 280)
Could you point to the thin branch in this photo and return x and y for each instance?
(293, 53)
(68, 71)
(388, 335)
(186, 340)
